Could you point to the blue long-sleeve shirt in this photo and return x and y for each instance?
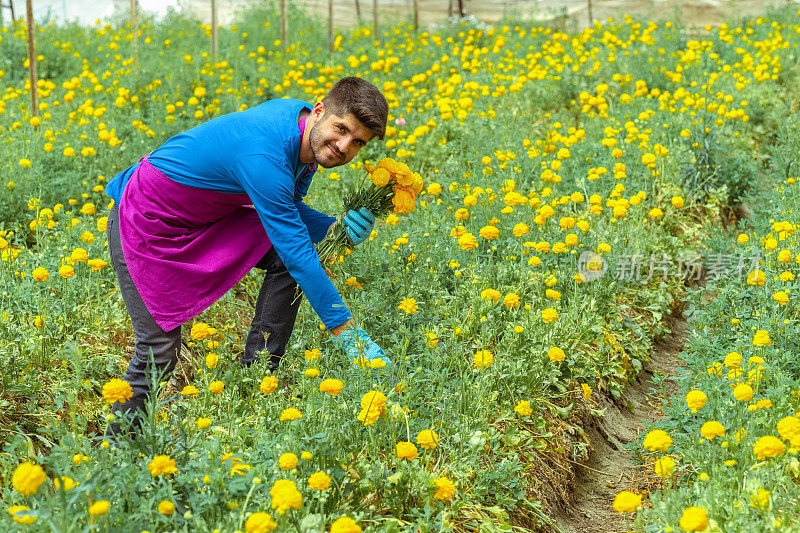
(257, 152)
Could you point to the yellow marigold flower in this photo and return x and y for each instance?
(434, 189)
(96, 264)
(694, 519)
(319, 481)
(203, 423)
(523, 408)
(733, 360)
(756, 277)
(461, 214)
(782, 297)
(353, 282)
(331, 386)
(743, 392)
(268, 385)
(161, 464)
(79, 255)
(556, 354)
(25, 163)
(99, 507)
(489, 232)
(511, 300)
(785, 256)
(67, 482)
(553, 294)
(789, 427)
(166, 507)
(380, 177)
(287, 461)
(345, 524)
(655, 213)
(657, 440)
(27, 478)
(259, 522)
(290, 414)
(202, 331)
(306, 456)
(285, 496)
(190, 390)
(216, 387)
(40, 274)
(87, 237)
(311, 372)
(19, 515)
(211, 360)
(760, 500)
(409, 306)
(102, 223)
(66, 271)
(428, 439)
(677, 202)
(482, 359)
(695, 400)
(490, 295)
(712, 429)
(406, 450)
(768, 446)
(445, 489)
(742, 238)
(664, 466)
(467, 241)
(549, 315)
(117, 390)
(87, 209)
(761, 338)
(520, 229)
(626, 501)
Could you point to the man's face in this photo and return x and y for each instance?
(336, 140)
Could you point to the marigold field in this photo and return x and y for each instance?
(536, 145)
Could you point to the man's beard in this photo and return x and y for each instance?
(317, 147)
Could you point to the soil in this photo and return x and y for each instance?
(611, 467)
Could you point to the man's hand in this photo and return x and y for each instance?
(357, 344)
(359, 224)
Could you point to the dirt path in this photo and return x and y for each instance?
(610, 468)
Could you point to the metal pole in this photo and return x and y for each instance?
(135, 35)
(284, 23)
(32, 61)
(330, 26)
(375, 18)
(214, 29)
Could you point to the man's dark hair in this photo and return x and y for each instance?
(360, 98)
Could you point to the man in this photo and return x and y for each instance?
(195, 215)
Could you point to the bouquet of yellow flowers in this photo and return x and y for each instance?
(393, 187)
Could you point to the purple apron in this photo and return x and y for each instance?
(184, 246)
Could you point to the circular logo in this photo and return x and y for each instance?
(591, 266)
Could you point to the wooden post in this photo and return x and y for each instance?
(214, 29)
(358, 10)
(375, 18)
(415, 4)
(135, 34)
(284, 23)
(32, 61)
(591, 18)
(330, 26)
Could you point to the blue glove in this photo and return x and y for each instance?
(358, 344)
(359, 224)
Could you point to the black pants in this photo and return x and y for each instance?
(275, 314)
